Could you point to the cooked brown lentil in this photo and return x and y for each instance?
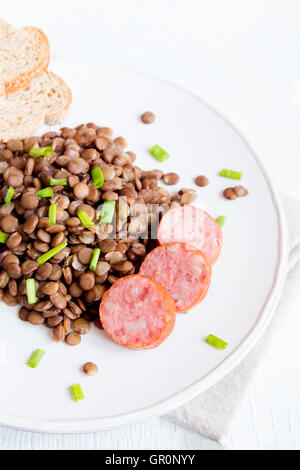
(148, 117)
(240, 191)
(72, 339)
(201, 180)
(188, 196)
(87, 280)
(59, 333)
(89, 368)
(35, 318)
(229, 193)
(81, 326)
(170, 178)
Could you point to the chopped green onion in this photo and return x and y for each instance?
(46, 256)
(30, 289)
(9, 195)
(40, 151)
(221, 220)
(107, 212)
(77, 392)
(95, 259)
(159, 153)
(35, 358)
(84, 219)
(46, 192)
(216, 342)
(185, 313)
(58, 182)
(3, 237)
(52, 214)
(97, 177)
(231, 174)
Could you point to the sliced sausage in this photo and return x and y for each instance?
(137, 312)
(182, 270)
(192, 225)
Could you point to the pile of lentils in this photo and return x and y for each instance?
(68, 293)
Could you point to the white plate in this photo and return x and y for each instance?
(246, 283)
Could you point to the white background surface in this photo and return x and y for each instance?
(242, 57)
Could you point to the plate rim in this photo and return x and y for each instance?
(84, 425)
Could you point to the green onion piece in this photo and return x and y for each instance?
(221, 220)
(30, 289)
(46, 192)
(52, 214)
(9, 195)
(231, 174)
(84, 219)
(77, 392)
(46, 256)
(35, 358)
(216, 342)
(40, 151)
(159, 153)
(107, 213)
(185, 313)
(3, 237)
(95, 259)
(97, 177)
(58, 182)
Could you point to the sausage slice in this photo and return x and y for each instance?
(137, 312)
(182, 270)
(192, 225)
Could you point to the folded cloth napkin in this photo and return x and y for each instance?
(212, 413)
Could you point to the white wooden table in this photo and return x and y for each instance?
(243, 58)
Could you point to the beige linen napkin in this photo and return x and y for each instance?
(212, 413)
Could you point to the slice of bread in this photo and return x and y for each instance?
(47, 99)
(24, 54)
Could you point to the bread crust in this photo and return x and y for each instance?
(24, 79)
